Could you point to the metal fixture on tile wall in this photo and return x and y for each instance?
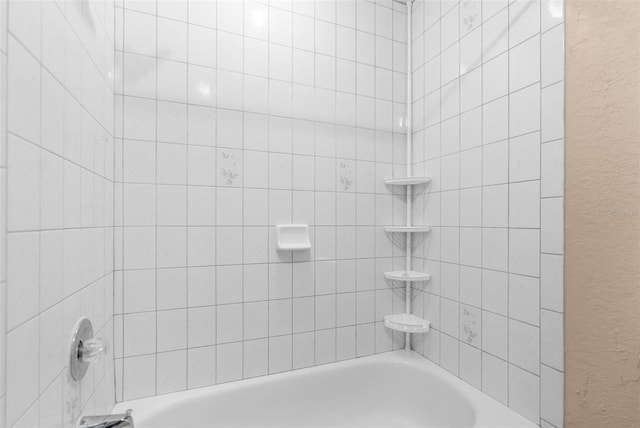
(84, 349)
(407, 322)
(120, 420)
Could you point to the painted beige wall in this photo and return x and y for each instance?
(602, 214)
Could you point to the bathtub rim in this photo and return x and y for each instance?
(489, 412)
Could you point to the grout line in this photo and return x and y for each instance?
(188, 229)
(508, 100)
(482, 255)
(242, 233)
(540, 221)
(156, 197)
(459, 80)
(4, 150)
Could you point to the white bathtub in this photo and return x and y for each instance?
(395, 389)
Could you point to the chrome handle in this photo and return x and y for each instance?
(92, 350)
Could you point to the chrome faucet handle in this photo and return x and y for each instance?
(121, 420)
(92, 350)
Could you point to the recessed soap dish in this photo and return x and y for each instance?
(293, 237)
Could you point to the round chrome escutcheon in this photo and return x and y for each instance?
(82, 331)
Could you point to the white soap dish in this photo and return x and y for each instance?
(293, 237)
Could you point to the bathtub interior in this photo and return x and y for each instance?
(370, 393)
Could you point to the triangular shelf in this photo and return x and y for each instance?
(408, 229)
(406, 181)
(407, 323)
(403, 275)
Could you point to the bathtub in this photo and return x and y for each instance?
(394, 389)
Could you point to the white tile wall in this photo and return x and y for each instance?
(209, 149)
(233, 117)
(56, 174)
(488, 117)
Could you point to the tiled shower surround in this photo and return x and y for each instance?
(234, 117)
(148, 148)
(57, 205)
(488, 129)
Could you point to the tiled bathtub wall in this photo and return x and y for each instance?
(488, 106)
(57, 148)
(233, 117)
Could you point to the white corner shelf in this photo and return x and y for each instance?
(406, 276)
(407, 181)
(407, 229)
(407, 323)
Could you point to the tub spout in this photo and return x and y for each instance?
(122, 420)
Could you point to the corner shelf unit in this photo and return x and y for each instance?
(407, 322)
